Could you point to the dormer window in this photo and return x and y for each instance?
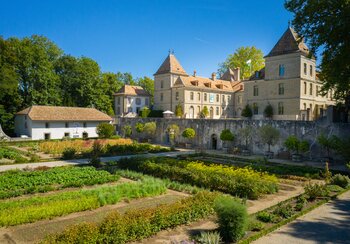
(194, 83)
(281, 70)
(220, 86)
(208, 84)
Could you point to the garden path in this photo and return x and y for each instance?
(329, 223)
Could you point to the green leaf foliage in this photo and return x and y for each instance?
(226, 135)
(105, 130)
(189, 133)
(247, 111)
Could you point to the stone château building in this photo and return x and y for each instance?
(289, 83)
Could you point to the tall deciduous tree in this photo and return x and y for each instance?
(326, 24)
(147, 84)
(248, 59)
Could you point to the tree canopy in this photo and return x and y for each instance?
(326, 26)
(240, 58)
(35, 71)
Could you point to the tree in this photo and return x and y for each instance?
(147, 84)
(269, 135)
(295, 145)
(173, 131)
(227, 136)
(145, 111)
(205, 112)
(247, 111)
(240, 58)
(139, 127)
(150, 129)
(328, 143)
(325, 25)
(246, 133)
(268, 112)
(127, 130)
(189, 133)
(105, 130)
(178, 111)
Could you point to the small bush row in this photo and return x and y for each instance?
(15, 182)
(139, 224)
(242, 182)
(28, 210)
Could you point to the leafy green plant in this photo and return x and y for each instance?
(295, 145)
(178, 111)
(105, 130)
(127, 130)
(314, 191)
(284, 210)
(232, 218)
(255, 225)
(150, 129)
(189, 133)
(268, 112)
(301, 202)
(204, 113)
(266, 217)
(145, 111)
(226, 135)
(340, 180)
(139, 127)
(246, 134)
(95, 154)
(68, 153)
(209, 238)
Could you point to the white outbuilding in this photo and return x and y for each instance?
(53, 122)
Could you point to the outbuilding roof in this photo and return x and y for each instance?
(57, 113)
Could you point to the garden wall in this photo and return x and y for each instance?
(208, 129)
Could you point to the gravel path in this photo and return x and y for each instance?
(329, 223)
(86, 161)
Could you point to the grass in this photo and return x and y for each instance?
(28, 210)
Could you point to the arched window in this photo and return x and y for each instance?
(191, 112)
(191, 95)
(211, 112)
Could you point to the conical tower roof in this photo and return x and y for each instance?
(171, 65)
(290, 42)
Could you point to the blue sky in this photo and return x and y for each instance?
(135, 35)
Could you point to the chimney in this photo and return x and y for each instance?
(194, 73)
(213, 76)
(237, 73)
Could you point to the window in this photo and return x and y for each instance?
(137, 110)
(118, 100)
(66, 134)
(199, 96)
(84, 125)
(191, 95)
(305, 88)
(146, 101)
(305, 69)
(310, 89)
(217, 110)
(239, 99)
(47, 125)
(199, 110)
(85, 135)
(255, 108)
(118, 110)
(205, 96)
(256, 91)
(304, 106)
(47, 136)
(223, 99)
(129, 100)
(311, 70)
(281, 89)
(161, 96)
(66, 125)
(217, 98)
(177, 96)
(161, 84)
(280, 108)
(281, 70)
(138, 101)
(130, 110)
(317, 91)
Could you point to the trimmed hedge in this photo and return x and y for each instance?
(139, 224)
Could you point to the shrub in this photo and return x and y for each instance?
(226, 135)
(127, 130)
(139, 127)
(68, 153)
(314, 191)
(178, 111)
(255, 225)
(268, 112)
(105, 130)
(150, 129)
(334, 188)
(300, 204)
(232, 218)
(204, 113)
(246, 134)
(328, 143)
(95, 154)
(209, 238)
(293, 144)
(269, 135)
(284, 210)
(266, 217)
(340, 180)
(189, 133)
(145, 111)
(247, 111)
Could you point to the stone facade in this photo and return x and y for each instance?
(208, 131)
(289, 83)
